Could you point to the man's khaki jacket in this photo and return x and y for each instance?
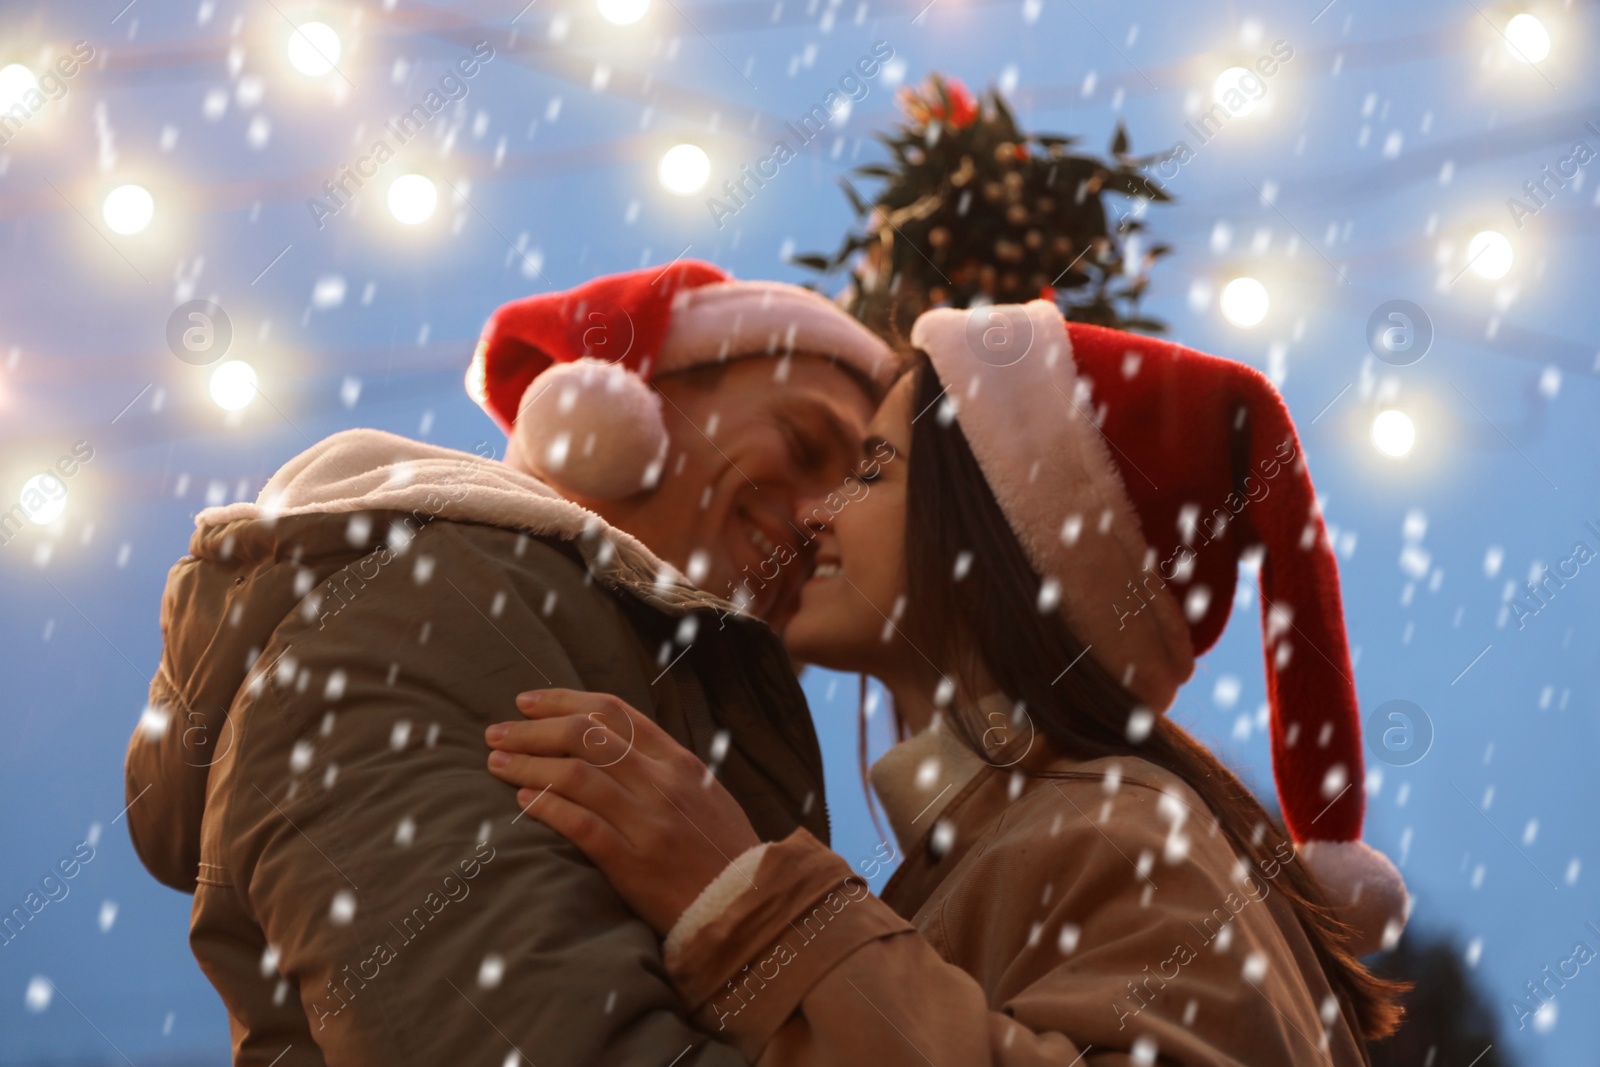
(312, 764)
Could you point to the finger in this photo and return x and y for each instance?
(621, 717)
(597, 838)
(570, 778)
(570, 735)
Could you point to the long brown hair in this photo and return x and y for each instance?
(987, 624)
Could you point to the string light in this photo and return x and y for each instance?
(1244, 302)
(233, 385)
(1527, 38)
(623, 12)
(1393, 433)
(128, 209)
(684, 169)
(44, 498)
(1490, 254)
(1234, 81)
(314, 49)
(15, 81)
(413, 199)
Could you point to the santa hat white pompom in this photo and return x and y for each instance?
(1364, 889)
(591, 429)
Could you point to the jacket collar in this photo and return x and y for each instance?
(917, 780)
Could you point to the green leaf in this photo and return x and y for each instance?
(860, 206)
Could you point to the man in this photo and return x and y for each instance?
(312, 764)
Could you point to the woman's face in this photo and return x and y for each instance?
(857, 591)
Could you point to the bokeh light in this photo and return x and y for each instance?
(15, 80)
(1527, 38)
(623, 12)
(314, 49)
(1246, 82)
(1490, 254)
(685, 169)
(1244, 302)
(44, 498)
(413, 199)
(233, 385)
(1393, 433)
(128, 209)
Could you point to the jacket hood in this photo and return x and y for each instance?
(369, 470)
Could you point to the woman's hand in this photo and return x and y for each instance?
(649, 814)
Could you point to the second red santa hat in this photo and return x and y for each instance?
(567, 374)
(1137, 473)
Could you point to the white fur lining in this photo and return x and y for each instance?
(369, 470)
(1031, 425)
(714, 899)
(734, 318)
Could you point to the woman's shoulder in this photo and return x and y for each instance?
(1134, 817)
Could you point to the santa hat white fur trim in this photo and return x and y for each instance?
(1029, 422)
(590, 429)
(1364, 889)
(596, 430)
(725, 320)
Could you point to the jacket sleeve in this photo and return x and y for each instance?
(166, 766)
(417, 915)
(810, 968)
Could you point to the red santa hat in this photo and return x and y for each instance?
(566, 374)
(1136, 473)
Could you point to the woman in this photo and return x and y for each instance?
(1084, 880)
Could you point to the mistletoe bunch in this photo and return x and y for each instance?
(973, 210)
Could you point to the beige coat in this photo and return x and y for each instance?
(1101, 919)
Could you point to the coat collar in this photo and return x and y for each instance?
(917, 780)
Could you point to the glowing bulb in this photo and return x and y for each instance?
(233, 385)
(1489, 253)
(623, 12)
(1527, 38)
(1243, 81)
(15, 80)
(128, 209)
(684, 169)
(1392, 433)
(314, 49)
(44, 498)
(412, 199)
(1244, 302)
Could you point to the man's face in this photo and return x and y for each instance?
(747, 449)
